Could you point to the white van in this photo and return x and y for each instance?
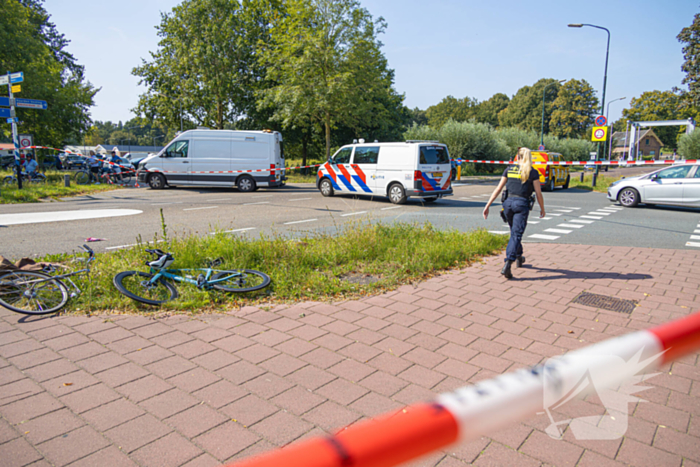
(400, 171)
(245, 159)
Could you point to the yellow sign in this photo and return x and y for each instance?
(600, 133)
(16, 88)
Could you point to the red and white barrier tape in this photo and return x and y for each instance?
(487, 406)
(281, 169)
(622, 163)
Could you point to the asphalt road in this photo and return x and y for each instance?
(573, 216)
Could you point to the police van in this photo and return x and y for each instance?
(223, 158)
(412, 169)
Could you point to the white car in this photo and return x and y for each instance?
(678, 185)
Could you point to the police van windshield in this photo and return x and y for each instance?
(434, 155)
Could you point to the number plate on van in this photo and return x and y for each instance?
(437, 174)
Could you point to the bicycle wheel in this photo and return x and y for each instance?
(126, 177)
(9, 180)
(240, 280)
(82, 178)
(136, 286)
(32, 293)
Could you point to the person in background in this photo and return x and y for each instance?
(94, 164)
(115, 160)
(30, 166)
(520, 180)
(59, 164)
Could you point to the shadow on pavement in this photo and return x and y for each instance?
(568, 274)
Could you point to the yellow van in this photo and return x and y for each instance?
(551, 176)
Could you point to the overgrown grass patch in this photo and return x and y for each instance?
(307, 268)
(601, 186)
(51, 189)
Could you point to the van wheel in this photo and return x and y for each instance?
(245, 183)
(397, 194)
(326, 187)
(156, 181)
(551, 185)
(566, 184)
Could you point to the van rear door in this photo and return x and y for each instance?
(434, 167)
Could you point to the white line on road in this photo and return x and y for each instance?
(300, 199)
(565, 207)
(391, 207)
(545, 218)
(600, 213)
(133, 244)
(263, 196)
(693, 244)
(561, 231)
(234, 231)
(300, 222)
(580, 221)
(353, 213)
(611, 211)
(533, 222)
(58, 216)
(564, 210)
(500, 232)
(575, 226)
(218, 199)
(555, 214)
(544, 237)
(592, 217)
(196, 209)
(253, 204)
(695, 237)
(696, 231)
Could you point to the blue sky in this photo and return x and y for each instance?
(437, 48)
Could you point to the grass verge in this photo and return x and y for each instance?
(307, 268)
(601, 186)
(52, 188)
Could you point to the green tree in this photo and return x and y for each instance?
(487, 111)
(690, 38)
(206, 65)
(659, 105)
(29, 42)
(327, 68)
(525, 108)
(417, 116)
(459, 110)
(574, 109)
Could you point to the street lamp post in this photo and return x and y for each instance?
(607, 114)
(605, 75)
(544, 93)
(155, 138)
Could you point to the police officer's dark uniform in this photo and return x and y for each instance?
(516, 208)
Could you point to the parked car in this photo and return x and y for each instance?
(419, 169)
(678, 185)
(6, 161)
(72, 161)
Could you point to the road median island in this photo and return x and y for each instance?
(362, 259)
(50, 190)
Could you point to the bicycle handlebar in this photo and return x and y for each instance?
(88, 250)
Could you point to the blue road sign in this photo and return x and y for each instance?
(4, 101)
(12, 120)
(31, 104)
(4, 113)
(600, 120)
(14, 78)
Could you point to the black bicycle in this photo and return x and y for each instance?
(152, 288)
(38, 292)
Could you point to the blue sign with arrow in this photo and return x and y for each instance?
(31, 104)
(4, 101)
(5, 113)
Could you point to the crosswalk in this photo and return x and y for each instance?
(695, 238)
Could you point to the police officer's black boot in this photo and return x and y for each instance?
(506, 270)
(520, 261)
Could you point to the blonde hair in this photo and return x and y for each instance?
(525, 163)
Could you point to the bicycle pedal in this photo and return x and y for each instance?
(201, 280)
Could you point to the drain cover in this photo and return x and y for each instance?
(605, 302)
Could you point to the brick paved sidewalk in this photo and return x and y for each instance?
(200, 391)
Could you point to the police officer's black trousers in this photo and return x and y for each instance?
(516, 211)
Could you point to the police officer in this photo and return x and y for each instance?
(520, 180)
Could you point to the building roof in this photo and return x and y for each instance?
(620, 137)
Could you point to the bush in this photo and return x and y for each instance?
(689, 146)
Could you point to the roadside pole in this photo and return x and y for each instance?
(15, 136)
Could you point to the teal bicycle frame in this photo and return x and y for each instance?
(203, 280)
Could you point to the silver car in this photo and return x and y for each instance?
(678, 185)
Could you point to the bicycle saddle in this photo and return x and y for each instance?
(163, 262)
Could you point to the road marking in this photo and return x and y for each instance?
(60, 216)
(695, 237)
(500, 232)
(545, 218)
(218, 199)
(533, 222)
(580, 221)
(564, 210)
(696, 231)
(392, 207)
(693, 244)
(196, 209)
(263, 196)
(461, 184)
(133, 244)
(161, 204)
(300, 199)
(555, 214)
(611, 211)
(600, 213)
(565, 207)
(300, 222)
(561, 231)
(544, 237)
(591, 217)
(575, 226)
(234, 231)
(253, 204)
(353, 213)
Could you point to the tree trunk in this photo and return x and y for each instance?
(219, 116)
(327, 123)
(304, 151)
